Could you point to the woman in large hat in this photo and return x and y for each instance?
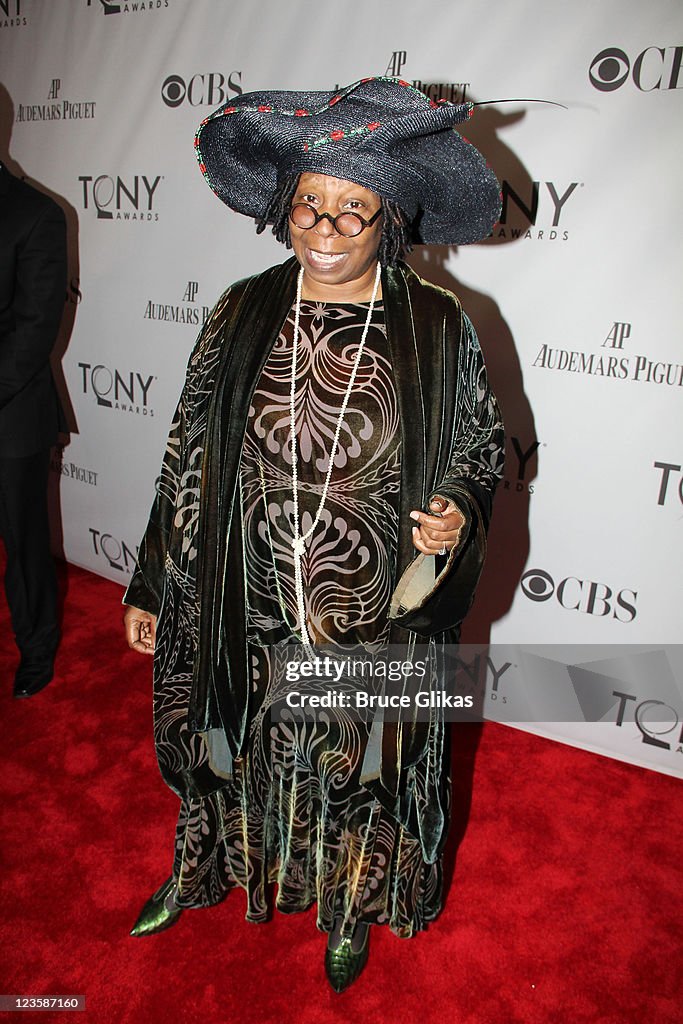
(328, 480)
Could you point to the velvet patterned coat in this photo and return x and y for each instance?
(190, 571)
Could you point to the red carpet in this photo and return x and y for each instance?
(564, 904)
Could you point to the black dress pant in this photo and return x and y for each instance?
(30, 577)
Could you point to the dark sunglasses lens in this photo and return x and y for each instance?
(302, 215)
(348, 224)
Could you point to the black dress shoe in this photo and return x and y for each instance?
(155, 916)
(31, 679)
(343, 964)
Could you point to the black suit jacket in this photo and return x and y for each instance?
(32, 293)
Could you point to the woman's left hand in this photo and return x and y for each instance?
(438, 533)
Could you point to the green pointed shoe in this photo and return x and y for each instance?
(343, 965)
(155, 915)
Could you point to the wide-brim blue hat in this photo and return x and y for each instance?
(380, 132)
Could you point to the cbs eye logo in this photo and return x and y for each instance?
(609, 70)
(653, 69)
(208, 89)
(173, 91)
(573, 594)
(538, 585)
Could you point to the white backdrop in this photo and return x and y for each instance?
(576, 297)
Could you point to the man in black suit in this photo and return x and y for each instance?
(32, 293)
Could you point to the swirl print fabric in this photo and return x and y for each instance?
(294, 811)
(349, 560)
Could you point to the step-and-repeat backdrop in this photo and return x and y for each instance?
(576, 296)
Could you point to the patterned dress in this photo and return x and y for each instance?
(295, 811)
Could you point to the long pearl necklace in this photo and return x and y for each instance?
(299, 540)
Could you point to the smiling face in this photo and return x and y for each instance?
(335, 267)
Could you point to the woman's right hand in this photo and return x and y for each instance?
(141, 630)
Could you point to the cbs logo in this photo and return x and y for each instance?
(577, 595)
(202, 89)
(654, 68)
